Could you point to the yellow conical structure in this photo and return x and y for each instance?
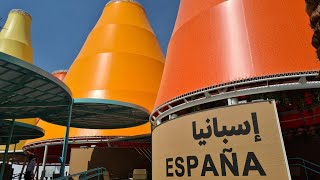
(121, 59)
(15, 40)
(15, 37)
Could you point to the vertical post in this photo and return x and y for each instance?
(305, 169)
(44, 161)
(7, 149)
(158, 122)
(22, 169)
(65, 144)
(14, 152)
(37, 170)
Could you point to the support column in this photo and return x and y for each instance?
(158, 122)
(7, 149)
(65, 144)
(22, 169)
(14, 152)
(44, 162)
(37, 170)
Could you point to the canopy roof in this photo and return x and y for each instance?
(22, 131)
(27, 91)
(101, 114)
(3, 141)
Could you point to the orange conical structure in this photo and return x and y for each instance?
(121, 59)
(222, 42)
(15, 40)
(53, 132)
(121, 68)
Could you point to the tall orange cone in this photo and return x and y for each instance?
(223, 43)
(15, 40)
(121, 63)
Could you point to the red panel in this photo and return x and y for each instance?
(292, 121)
(60, 74)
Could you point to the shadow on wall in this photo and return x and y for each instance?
(304, 143)
(119, 162)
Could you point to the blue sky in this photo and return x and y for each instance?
(60, 27)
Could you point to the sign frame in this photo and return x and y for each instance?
(158, 151)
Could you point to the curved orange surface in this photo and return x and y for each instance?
(121, 59)
(57, 132)
(219, 41)
(53, 131)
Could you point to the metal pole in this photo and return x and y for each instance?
(38, 164)
(14, 152)
(24, 164)
(65, 144)
(44, 161)
(7, 149)
(305, 169)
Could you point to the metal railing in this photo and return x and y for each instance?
(97, 172)
(307, 165)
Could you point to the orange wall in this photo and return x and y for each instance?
(219, 41)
